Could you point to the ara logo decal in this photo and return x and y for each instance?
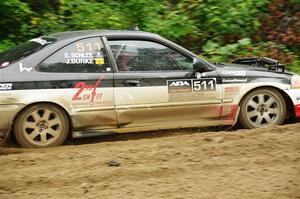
(6, 86)
(179, 86)
(87, 93)
(180, 83)
(22, 69)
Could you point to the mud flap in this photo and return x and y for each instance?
(4, 137)
(236, 116)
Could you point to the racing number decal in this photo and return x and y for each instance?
(87, 47)
(204, 85)
(188, 86)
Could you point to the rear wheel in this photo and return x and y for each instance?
(41, 125)
(262, 107)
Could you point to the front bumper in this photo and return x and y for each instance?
(7, 115)
(294, 94)
(297, 110)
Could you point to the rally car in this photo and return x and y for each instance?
(87, 83)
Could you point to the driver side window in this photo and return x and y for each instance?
(137, 55)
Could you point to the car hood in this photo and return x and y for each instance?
(230, 66)
(251, 69)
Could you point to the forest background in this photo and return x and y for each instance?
(219, 30)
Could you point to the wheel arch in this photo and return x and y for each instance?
(287, 98)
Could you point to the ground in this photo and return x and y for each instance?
(261, 163)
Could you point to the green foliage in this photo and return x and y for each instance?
(227, 19)
(219, 30)
(216, 52)
(187, 20)
(295, 66)
(6, 44)
(78, 14)
(13, 14)
(296, 1)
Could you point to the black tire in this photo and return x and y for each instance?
(41, 125)
(262, 107)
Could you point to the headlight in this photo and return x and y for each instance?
(295, 83)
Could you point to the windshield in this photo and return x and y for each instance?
(21, 51)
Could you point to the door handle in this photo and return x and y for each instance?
(133, 83)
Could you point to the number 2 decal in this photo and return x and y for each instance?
(90, 90)
(81, 86)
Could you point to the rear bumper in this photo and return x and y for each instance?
(7, 115)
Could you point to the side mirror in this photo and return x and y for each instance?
(200, 66)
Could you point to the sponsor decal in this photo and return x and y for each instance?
(192, 96)
(180, 83)
(231, 91)
(6, 94)
(179, 86)
(99, 61)
(234, 73)
(6, 86)
(22, 69)
(234, 80)
(298, 99)
(87, 93)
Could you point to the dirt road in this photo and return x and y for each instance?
(242, 164)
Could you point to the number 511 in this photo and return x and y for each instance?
(204, 85)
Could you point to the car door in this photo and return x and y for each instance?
(82, 79)
(155, 84)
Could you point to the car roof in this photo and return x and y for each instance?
(79, 34)
(85, 33)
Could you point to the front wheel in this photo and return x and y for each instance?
(41, 125)
(262, 107)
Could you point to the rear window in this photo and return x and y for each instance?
(24, 50)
